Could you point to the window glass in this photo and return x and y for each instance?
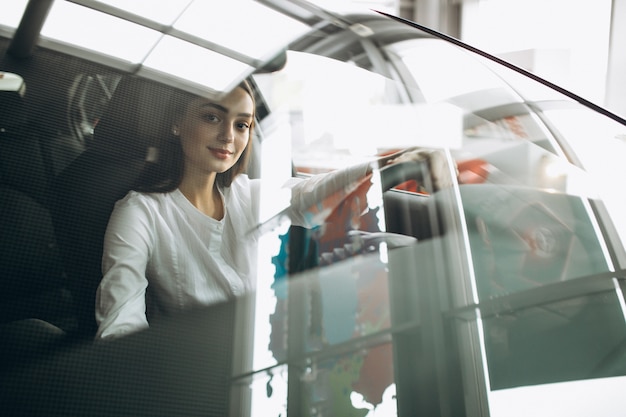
(125, 40)
(536, 353)
(339, 113)
(600, 145)
(175, 58)
(161, 11)
(533, 185)
(434, 65)
(12, 13)
(527, 204)
(326, 292)
(88, 99)
(190, 44)
(224, 26)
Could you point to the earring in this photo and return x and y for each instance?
(175, 130)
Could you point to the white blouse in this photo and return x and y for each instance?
(162, 255)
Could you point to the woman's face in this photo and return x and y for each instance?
(213, 134)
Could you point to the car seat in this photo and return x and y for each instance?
(35, 308)
(31, 275)
(85, 192)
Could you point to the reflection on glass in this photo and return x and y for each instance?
(341, 302)
(269, 393)
(522, 238)
(125, 40)
(161, 11)
(222, 25)
(355, 384)
(207, 69)
(435, 67)
(529, 211)
(358, 383)
(600, 145)
(575, 339)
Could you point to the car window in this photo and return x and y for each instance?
(537, 223)
(88, 98)
(586, 132)
(529, 211)
(482, 279)
(328, 103)
(330, 115)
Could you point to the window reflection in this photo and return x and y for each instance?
(575, 339)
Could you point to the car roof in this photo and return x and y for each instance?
(198, 47)
(189, 44)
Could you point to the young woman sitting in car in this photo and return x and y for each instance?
(181, 239)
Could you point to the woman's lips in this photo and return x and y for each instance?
(220, 153)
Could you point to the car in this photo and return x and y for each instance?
(485, 278)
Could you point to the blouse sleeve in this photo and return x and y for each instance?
(121, 296)
(312, 199)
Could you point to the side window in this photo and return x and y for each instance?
(88, 98)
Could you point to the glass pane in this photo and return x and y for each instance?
(231, 24)
(326, 114)
(344, 304)
(435, 66)
(161, 11)
(339, 304)
(12, 13)
(528, 204)
(545, 346)
(206, 69)
(602, 396)
(522, 238)
(268, 392)
(600, 144)
(76, 25)
(357, 383)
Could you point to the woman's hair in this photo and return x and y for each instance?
(166, 173)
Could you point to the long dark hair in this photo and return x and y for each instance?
(166, 172)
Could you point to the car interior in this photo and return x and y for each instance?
(54, 212)
(76, 135)
(62, 171)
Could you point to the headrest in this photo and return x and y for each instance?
(12, 111)
(133, 119)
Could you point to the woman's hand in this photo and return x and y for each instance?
(435, 159)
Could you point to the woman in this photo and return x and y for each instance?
(181, 239)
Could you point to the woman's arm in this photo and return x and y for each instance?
(121, 296)
(314, 198)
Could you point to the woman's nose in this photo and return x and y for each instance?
(227, 133)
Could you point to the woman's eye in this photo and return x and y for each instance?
(243, 125)
(210, 117)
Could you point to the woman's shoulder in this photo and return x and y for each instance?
(241, 180)
(142, 199)
(242, 184)
(138, 196)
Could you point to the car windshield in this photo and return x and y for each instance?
(481, 272)
(533, 214)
